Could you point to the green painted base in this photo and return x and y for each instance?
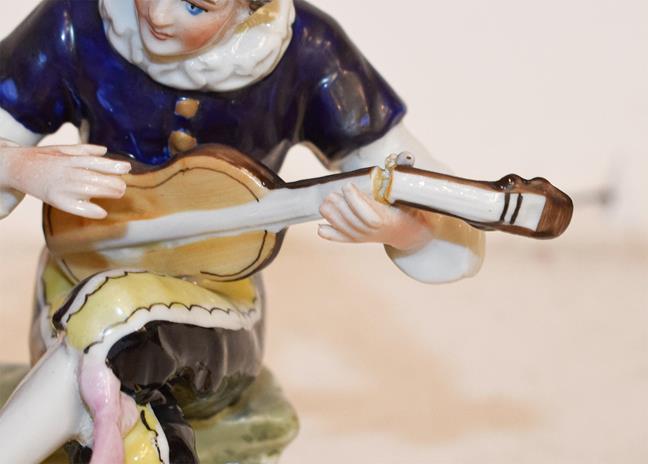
(254, 431)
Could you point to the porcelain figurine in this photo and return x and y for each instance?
(149, 314)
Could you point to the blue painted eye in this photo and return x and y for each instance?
(193, 10)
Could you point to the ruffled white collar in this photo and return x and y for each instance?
(247, 57)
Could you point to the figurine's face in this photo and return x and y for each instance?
(182, 27)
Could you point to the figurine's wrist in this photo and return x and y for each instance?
(11, 157)
(10, 197)
(411, 232)
(409, 244)
(7, 161)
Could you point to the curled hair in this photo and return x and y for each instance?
(256, 4)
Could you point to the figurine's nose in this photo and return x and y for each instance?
(160, 14)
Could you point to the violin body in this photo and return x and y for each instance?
(211, 178)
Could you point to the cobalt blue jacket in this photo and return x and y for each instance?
(58, 66)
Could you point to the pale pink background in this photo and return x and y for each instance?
(540, 359)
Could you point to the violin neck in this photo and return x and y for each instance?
(531, 208)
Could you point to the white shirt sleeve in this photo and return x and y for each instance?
(458, 250)
(13, 131)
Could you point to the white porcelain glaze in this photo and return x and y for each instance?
(46, 410)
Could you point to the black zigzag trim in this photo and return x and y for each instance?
(64, 309)
(157, 435)
(150, 308)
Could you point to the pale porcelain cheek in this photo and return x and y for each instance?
(195, 38)
(199, 32)
(188, 37)
(169, 47)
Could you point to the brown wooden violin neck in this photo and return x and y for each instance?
(532, 208)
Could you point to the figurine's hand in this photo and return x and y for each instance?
(355, 217)
(66, 177)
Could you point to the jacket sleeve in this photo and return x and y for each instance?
(38, 70)
(348, 103)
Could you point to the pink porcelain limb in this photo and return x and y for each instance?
(113, 412)
(356, 217)
(66, 177)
